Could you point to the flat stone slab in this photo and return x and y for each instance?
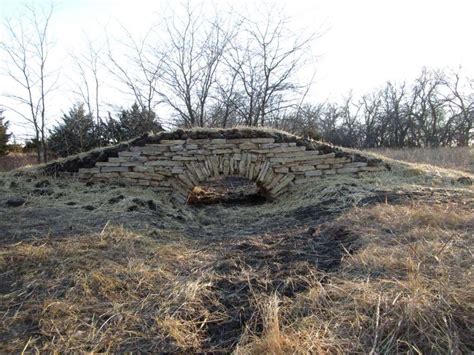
(183, 159)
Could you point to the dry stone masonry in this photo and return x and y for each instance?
(180, 160)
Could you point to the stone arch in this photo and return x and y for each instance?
(255, 167)
(178, 161)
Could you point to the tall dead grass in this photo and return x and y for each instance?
(458, 158)
(408, 289)
(114, 291)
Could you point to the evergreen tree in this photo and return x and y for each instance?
(4, 135)
(130, 124)
(74, 134)
(31, 146)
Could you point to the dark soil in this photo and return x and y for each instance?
(266, 264)
(15, 202)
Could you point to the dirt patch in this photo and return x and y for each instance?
(285, 264)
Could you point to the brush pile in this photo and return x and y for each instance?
(226, 189)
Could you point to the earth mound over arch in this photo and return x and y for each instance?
(180, 160)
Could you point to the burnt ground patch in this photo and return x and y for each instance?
(288, 262)
(436, 196)
(71, 219)
(284, 264)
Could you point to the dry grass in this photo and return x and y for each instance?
(377, 264)
(113, 291)
(459, 158)
(404, 285)
(408, 288)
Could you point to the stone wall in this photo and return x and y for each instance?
(273, 162)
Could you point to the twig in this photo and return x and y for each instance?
(103, 325)
(445, 245)
(26, 346)
(377, 322)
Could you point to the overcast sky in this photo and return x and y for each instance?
(364, 43)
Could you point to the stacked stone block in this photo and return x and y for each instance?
(179, 165)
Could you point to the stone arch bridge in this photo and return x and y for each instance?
(178, 161)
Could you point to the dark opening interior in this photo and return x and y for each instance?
(229, 190)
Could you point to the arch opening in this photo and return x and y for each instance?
(228, 190)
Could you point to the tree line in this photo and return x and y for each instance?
(219, 70)
(436, 109)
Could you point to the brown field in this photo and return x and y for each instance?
(380, 263)
(459, 158)
(16, 160)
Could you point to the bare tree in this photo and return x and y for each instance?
(436, 109)
(371, 105)
(194, 57)
(87, 85)
(27, 48)
(227, 100)
(139, 69)
(266, 60)
(88, 82)
(427, 108)
(394, 113)
(461, 107)
(305, 120)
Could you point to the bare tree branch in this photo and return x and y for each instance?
(28, 47)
